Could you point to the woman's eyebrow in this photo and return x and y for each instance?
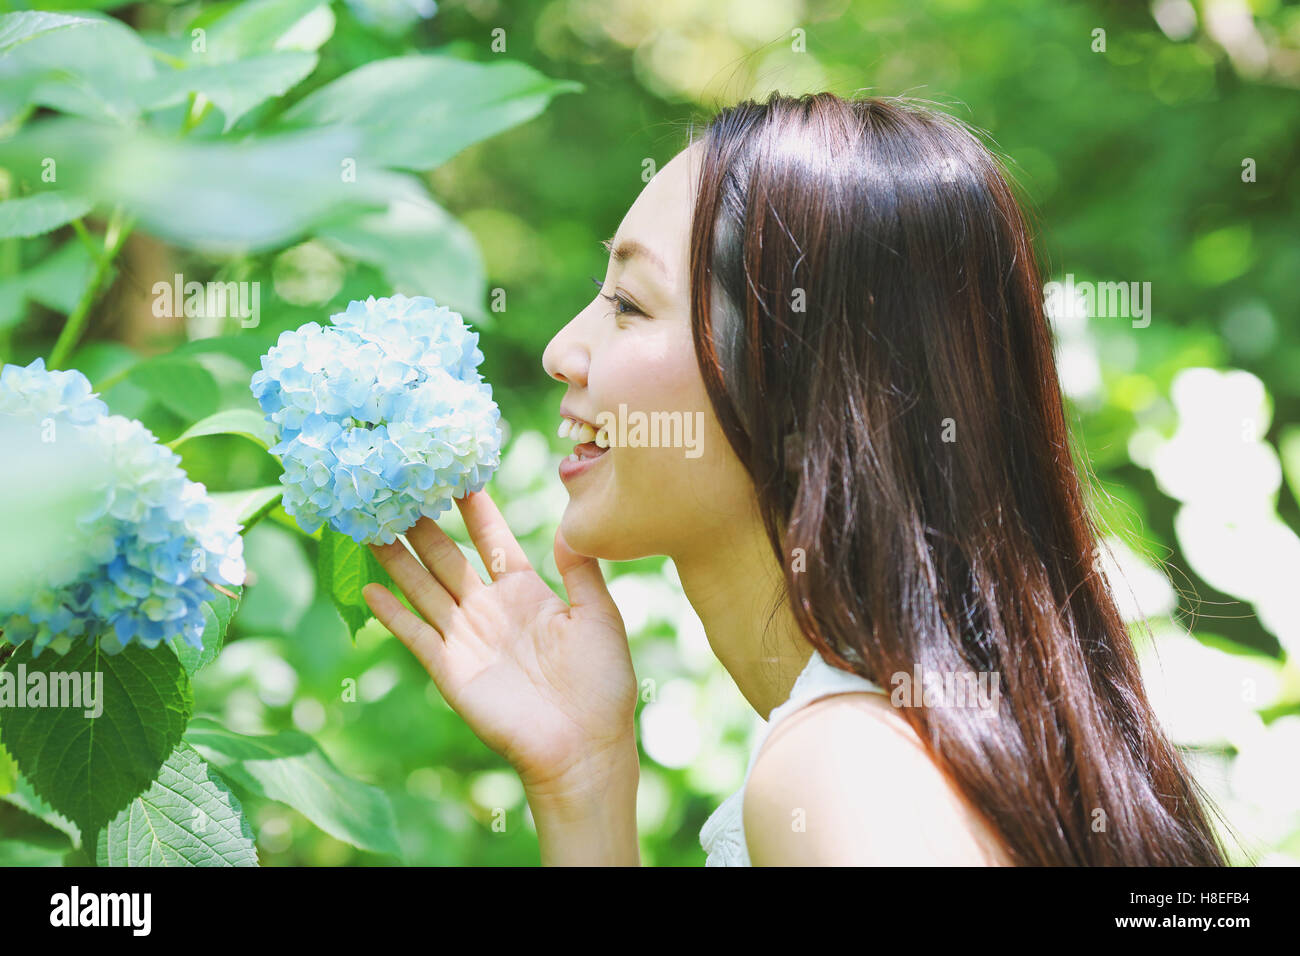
(629, 248)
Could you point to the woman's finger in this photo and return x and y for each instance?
(428, 596)
(443, 557)
(583, 580)
(491, 535)
(422, 640)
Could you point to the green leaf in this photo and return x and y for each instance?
(18, 853)
(239, 196)
(419, 111)
(25, 798)
(244, 347)
(61, 278)
(420, 248)
(343, 568)
(254, 27)
(8, 773)
(16, 28)
(56, 282)
(218, 611)
(183, 385)
(39, 214)
(248, 507)
(17, 824)
(290, 768)
(1289, 447)
(188, 817)
(89, 768)
(234, 421)
(97, 73)
(234, 88)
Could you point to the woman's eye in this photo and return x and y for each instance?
(621, 305)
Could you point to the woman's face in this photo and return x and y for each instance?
(676, 485)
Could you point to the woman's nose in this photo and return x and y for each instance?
(567, 358)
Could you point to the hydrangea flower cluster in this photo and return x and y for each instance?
(380, 417)
(145, 545)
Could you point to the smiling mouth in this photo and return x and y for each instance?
(583, 432)
(586, 451)
(592, 441)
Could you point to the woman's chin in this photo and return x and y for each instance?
(597, 536)
(595, 532)
(583, 531)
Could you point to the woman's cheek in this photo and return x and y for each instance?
(687, 476)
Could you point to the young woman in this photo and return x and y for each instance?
(880, 495)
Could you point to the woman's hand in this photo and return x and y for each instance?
(547, 685)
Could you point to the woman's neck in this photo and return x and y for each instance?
(732, 583)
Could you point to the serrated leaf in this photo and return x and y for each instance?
(188, 817)
(25, 798)
(39, 214)
(343, 568)
(89, 768)
(290, 768)
(218, 611)
(419, 111)
(17, 824)
(8, 772)
(16, 28)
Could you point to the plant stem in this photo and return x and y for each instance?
(114, 237)
(262, 512)
(103, 385)
(87, 239)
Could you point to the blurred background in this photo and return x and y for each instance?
(1154, 142)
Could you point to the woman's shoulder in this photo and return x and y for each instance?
(844, 780)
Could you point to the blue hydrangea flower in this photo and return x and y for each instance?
(119, 544)
(380, 417)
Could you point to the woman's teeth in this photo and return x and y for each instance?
(582, 432)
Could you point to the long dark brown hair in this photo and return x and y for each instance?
(868, 316)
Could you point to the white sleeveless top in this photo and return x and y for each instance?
(723, 833)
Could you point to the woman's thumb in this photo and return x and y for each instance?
(583, 579)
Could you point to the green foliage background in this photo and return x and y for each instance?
(1131, 157)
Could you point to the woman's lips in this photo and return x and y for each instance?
(583, 458)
